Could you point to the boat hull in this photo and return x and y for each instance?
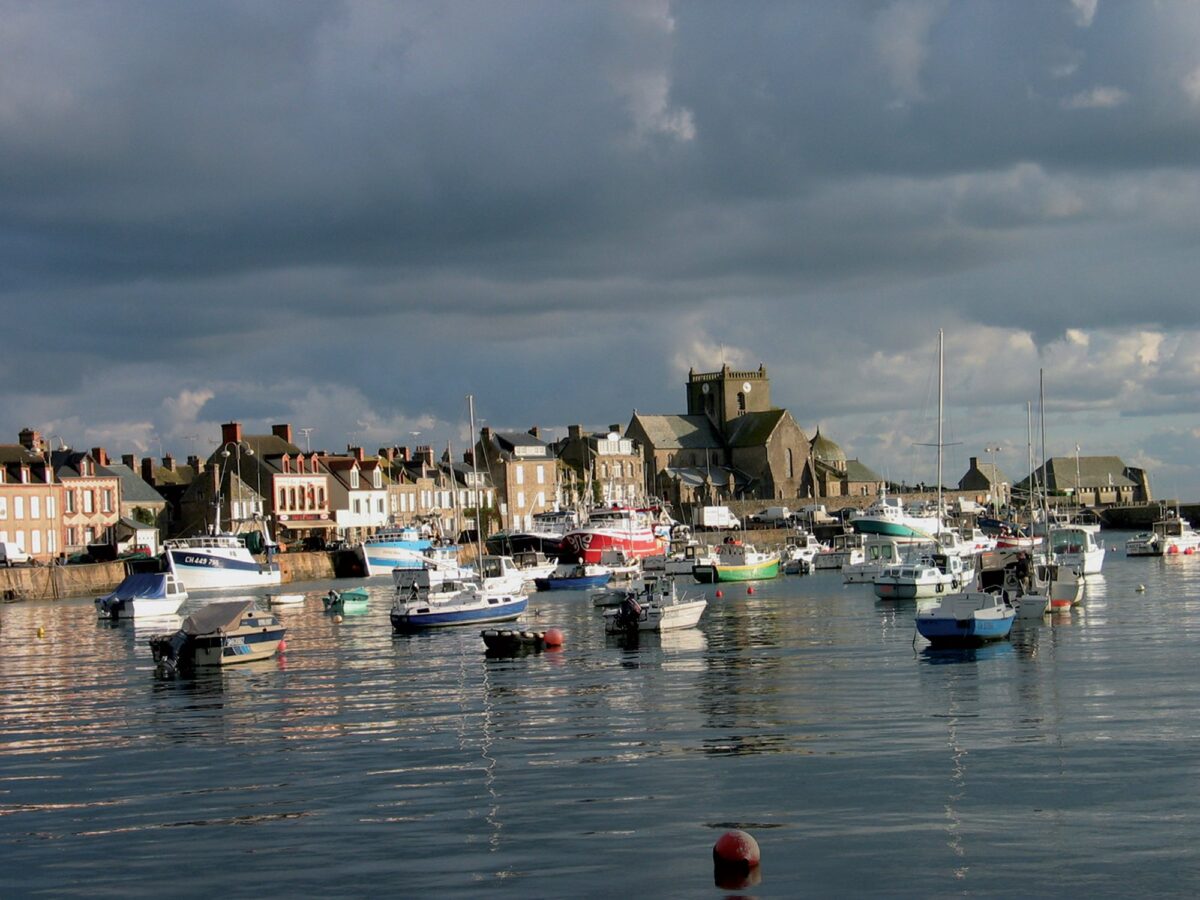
(573, 584)
(420, 616)
(203, 571)
(589, 546)
(951, 632)
(713, 573)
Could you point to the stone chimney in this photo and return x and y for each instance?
(358, 453)
(196, 463)
(129, 460)
(575, 432)
(536, 432)
(100, 455)
(148, 471)
(614, 429)
(168, 462)
(31, 440)
(231, 432)
(388, 453)
(283, 432)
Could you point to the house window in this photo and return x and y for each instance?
(541, 498)
(18, 507)
(89, 535)
(377, 479)
(791, 468)
(3, 507)
(69, 501)
(520, 499)
(72, 536)
(36, 538)
(357, 506)
(520, 474)
(321, 497)
(354, 478)
(379, 506)
(541, 474)
(49, 507)
(292, 498)
(35, 510)
(108, 500)
(51, 542)
(89, 502)
(741, 401)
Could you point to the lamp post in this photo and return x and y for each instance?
(237, 446)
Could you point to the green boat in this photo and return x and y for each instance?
(736, 561)
(350, 602)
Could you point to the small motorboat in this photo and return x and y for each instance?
(143, 595)
(351, 602)
(966, 618)
(219, 634)
(575, 577)
(658, 608)
(470, 605)
(509, 642)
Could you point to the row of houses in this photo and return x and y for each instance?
(730, 444)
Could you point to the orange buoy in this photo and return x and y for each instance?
(553, 638)
(735, 859)
(282, 645)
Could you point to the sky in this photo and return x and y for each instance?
(351, 216)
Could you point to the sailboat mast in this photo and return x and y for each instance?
(475, 479)
(941, 398)
(1045, 464)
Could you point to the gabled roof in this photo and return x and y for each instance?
(1094, 472)
(856, 471)
(753, 429)
(507, 443)
(679, 432)
(133, 489)
(698, 476)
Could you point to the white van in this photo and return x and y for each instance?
(718, 517)
(12, 555)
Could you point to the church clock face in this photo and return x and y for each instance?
(746, 387)
(704, 388)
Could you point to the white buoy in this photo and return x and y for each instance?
(337, 620)
(1141, 589)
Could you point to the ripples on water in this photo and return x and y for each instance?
(1061, 761)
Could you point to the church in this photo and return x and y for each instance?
(732, 444)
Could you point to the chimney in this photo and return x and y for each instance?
(31, 440)
(536, 432)
(148, 470)
(358, 453)
(425, 454)
(196, 464)
(575, 432)
(231, 432)
(975, 463)
(282, 431)
(388, 453)
(100, 455)
(469, 457)
(128, 459)
(404, 454)
(169, 462)
(615, 429)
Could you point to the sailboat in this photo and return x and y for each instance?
(473, 603)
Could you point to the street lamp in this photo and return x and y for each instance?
(237, 446)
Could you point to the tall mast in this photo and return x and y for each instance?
(475, 479)
(939, 441)
(1045, 463)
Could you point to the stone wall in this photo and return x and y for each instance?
(60, 582)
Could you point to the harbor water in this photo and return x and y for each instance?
(1062, 761)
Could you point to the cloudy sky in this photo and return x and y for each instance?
(348, 216)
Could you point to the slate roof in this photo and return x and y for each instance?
(680, 432)
(822, 448)
(754, 429)
(1094, 472)
(857, 471)
(133, 489)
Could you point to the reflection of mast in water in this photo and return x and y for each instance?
(958, 786)
(489, 763)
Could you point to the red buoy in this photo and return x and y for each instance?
(750, 590)
(282, 645)
(735, 859)
(720, 594)
(553, 638)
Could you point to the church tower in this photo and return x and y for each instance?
(727, 394)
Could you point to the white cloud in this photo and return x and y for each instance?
(1085, 12)
(1097, 98)
(901, 37)
(1191, 85)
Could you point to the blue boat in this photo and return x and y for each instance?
(401, 547)
(472, 605)
(574, 577)
(967, 619)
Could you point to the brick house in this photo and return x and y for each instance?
(30, 500)
(524, 473)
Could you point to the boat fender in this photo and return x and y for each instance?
(954, 583)
(939, 587)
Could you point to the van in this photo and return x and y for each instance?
(12, 555)
(718, 517)
(774, 516)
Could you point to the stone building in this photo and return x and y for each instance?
(600, 468)
(30, 499)
(524, 473)
(987, 479)
(91, 498)
(837, 476)
(731, 444)
(1090, 480)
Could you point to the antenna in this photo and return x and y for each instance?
(306, 432)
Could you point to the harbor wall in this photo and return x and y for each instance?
(60, 582)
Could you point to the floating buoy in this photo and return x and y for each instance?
(337, 619)
(282, 645)
(750, 590)
(553, 638)
(735, 860)
(720, 594)
(41, 632)
(1141, 589)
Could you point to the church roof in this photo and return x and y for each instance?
(753, 429)
(825, 450)
(679, 432)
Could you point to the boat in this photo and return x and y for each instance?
(399, 546)
(574, 577)
(966, 618)
(533, 564)
(471, 604)
(217, 561)
(799, 553)
(1170, 535)
(888, 516)
(285, 599)
(881, 551)
(684, 553)
(737, 561)
(843, 550)
(646, 583)
(656, 608)
(637, 532)
(351, 602)
(143, 595)
(1078, 549)
(544, 535)
(510, 642)
(929, 576)
(219, 634)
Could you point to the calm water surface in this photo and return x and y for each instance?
(1063, 761)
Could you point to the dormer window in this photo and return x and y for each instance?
(377, 479)
(354, 478)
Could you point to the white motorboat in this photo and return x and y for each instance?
(471, 604)
(1078, 549)
(216, 561)
(966, 618)
(800, 552)
(933, 574)
(143, 595)
(881, 551)
(1170, 535)
(843, 550)
(218, 634)
(889, 516)
(656, 608)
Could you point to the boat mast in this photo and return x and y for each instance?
(939, 433)
(475, 480)
(1045, 463)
